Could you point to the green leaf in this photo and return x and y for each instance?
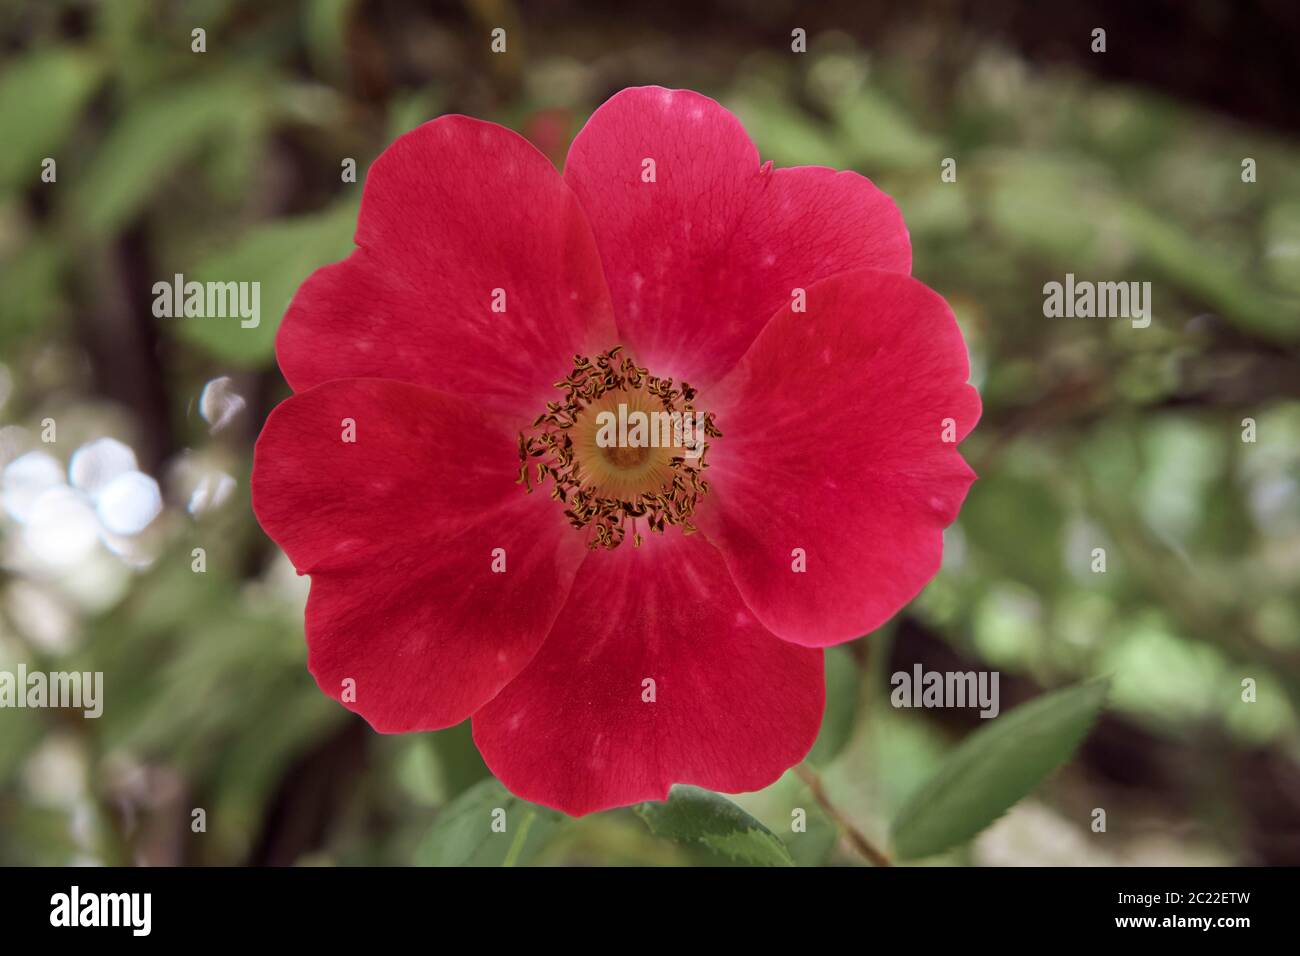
(155, 138)
(280, 255)
(881, 133)
(459, 762)
(463, 834)
(784, 133)
(694, 816)
(995, 767)
(41, 96)
(842, 680)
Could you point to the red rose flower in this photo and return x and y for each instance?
(615, 619)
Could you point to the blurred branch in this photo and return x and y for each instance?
(857, 839)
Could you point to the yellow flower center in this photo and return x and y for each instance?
(622, 446)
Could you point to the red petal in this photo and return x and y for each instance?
(833, 427)
(699, 260)
(735, 706)
(452, 211)
(398, 531)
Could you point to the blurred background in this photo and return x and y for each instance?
(1124, 165)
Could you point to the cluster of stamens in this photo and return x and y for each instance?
(663, 492)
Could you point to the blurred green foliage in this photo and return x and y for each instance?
(226, 163)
